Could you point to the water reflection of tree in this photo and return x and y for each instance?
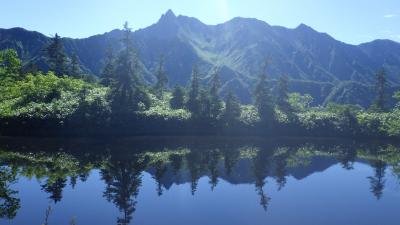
(194, 162)
(9, 203)
(161, 169)
(122, 176)
(122, 173)
(231, 156)
(281, 163)
(377, 181)
(346, 156)
(176, 162)
(55, 188)
(260, 170)
(212, 158)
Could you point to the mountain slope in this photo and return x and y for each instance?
(316, 62)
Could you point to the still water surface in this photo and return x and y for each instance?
(198, 181)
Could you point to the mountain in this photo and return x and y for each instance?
(316, 63)
(243, 172)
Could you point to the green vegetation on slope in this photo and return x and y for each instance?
(121, 103)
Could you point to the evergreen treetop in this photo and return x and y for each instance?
(56, 56)
(162, 78)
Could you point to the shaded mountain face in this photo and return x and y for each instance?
(317, 63)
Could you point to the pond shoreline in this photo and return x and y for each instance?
(83, 144)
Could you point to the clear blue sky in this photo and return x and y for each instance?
(351, 21)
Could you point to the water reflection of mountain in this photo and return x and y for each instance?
(242, 172)
(59, 163)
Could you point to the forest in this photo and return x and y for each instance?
(64, 101)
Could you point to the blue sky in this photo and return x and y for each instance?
(350, 21)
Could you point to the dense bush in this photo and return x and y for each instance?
(48, 96)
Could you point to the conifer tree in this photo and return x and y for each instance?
(56, 56)
(75, 69)
(193, 103)
(380, 89)
(216, 103)
(107, 73)
(232, 108)
(282, 100)
(263, 99)
(128, 94)
(205, 104)
(178, 98)
(162, 79)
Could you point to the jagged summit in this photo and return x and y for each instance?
(170, 13)
(304, 27)
(168, 16)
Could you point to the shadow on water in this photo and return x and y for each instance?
(121, 162)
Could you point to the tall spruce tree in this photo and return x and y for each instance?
(107, 73)
(193, 103)
(232, 108)
(215, 100)
(75, 69)
(205, 104)
(127, 91)
(178, 98)
(263, 99)
(162, 79)
(282, 99)
(381, 91)
(56, 57)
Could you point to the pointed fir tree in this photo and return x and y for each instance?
(193, 103)
(162, 79)
(380, 89)
(282, 100)
(263, 99)
(178, 98)
(232, 108)
(75, 69)
(216, 103)
(205, 104)
(107, 73)
(56, 57)
(128, 94)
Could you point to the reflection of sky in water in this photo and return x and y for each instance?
(332, 196)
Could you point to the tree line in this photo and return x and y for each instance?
(128, 94)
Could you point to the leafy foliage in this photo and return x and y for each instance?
(300, 103)
(46, 102)
(10, 65)
(48, 96)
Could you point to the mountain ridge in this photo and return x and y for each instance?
(237, 47)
